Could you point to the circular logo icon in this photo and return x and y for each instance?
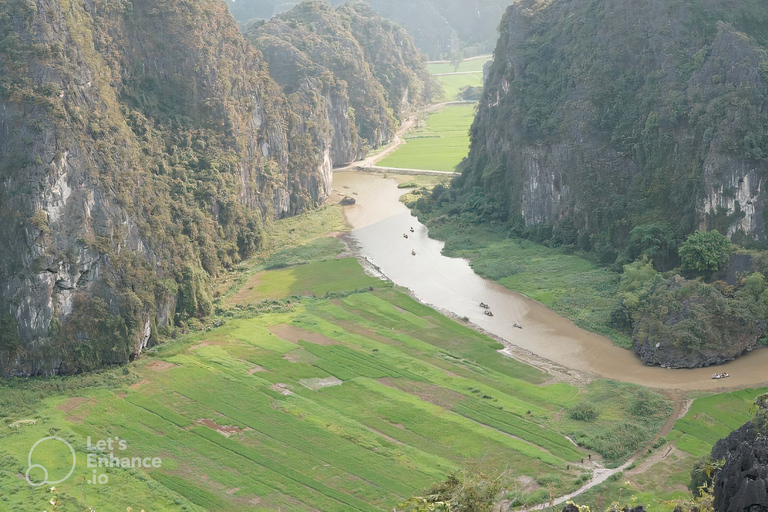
(42, 468)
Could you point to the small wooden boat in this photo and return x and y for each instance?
(405, 235)
(488, 312)
(411, 230)
(413, 253)
(484, 305)
(720, 375)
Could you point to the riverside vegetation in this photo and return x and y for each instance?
(620, 189)
(321, 387)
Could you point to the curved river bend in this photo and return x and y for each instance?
(379, 221)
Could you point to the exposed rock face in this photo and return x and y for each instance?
(742, 484)
(609, 114)
(687, 324)
(392, 56)
(143, 144)
(364, 68)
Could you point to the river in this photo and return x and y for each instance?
(379, 220)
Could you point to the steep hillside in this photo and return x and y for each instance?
(143, 146)
(364, 68)
(438, 27)
(603, 115)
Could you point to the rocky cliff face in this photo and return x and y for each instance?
(742, 483)
(366, 70)
(609, 114)
(686, 324)
(143, 144)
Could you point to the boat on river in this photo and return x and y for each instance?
(720, 375)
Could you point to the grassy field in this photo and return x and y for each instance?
(440, 145)
(662, 479)
(574, 287)
(465, 66)
(453, 84)
(344, 394)
(711, 418)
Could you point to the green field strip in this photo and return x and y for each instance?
(315, 442)
(285, 471)
(486, 414)
(352, 363)
(155, 408)
(440, 145)
(191, 491)
(316, 408)
(453, 422)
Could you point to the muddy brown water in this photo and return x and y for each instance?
(379, 221)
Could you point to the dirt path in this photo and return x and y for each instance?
(601, 474)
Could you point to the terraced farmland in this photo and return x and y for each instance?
(237, 417)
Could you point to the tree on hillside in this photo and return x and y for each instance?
(472, 491)
(456, 60)
(704, 253)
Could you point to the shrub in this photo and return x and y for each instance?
(704, 253)
(583, 412)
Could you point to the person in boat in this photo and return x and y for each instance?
(484, 305)
(413, 252)
(488, 312)
(411, 230)
(405, 235)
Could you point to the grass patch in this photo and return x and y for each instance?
(454, 84)
(316, 279)
(440, 145)
(711, 418)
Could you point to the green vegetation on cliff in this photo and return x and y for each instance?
(581, 144)
(365, 69)
(440, 28)
(579, 129)
(144, 147)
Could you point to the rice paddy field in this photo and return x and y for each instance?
(454, 84)
(470, 74)
(320, 388)
(439, 145)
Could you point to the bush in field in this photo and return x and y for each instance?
(583, 412)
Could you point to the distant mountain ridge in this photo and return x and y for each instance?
(363, 71)
(438, 27)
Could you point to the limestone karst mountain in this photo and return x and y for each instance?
(143, 146)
